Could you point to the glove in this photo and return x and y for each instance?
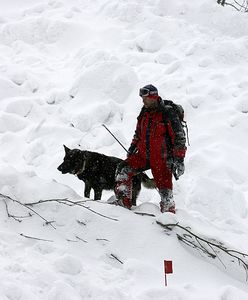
(178, 167)
(132, 150)
(120, 166)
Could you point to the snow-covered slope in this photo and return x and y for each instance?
(66, 68)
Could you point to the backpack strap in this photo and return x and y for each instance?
(184, 124)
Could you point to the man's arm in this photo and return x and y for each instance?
(133, 147)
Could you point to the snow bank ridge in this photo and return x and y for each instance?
(33, 30)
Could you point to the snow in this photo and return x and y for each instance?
(66, 68)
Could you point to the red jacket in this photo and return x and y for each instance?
(159, 134)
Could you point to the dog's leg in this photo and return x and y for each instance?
(98, 194)
(87, 189)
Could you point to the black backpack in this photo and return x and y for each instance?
(178, 109)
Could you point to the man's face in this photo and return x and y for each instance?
(149, 102)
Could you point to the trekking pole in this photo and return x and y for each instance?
(114, 137)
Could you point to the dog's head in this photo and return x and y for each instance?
(74, 161)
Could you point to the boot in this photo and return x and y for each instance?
(125, 202)
(123, 197)
(167, 203)
(123, 188)
(120, 202)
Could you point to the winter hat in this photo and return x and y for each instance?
(149, 90)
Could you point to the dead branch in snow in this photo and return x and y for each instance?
(81, 223)
(68, 202)
(35, 238)
(238, 5)
(80, 239)
(59, 200)
(144, 214)
(116, 258)
(207, 246)
(71, 241)
(63, 201)
(105, 240)
(16, 218)
(27, 207)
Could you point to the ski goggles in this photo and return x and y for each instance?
(147, 92)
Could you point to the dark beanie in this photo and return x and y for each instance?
(153, 90)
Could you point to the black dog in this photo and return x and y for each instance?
(98, 172)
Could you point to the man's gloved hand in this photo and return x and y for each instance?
(178, 167)
(120, 166)
(132, 150)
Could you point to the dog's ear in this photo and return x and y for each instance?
(67, 150)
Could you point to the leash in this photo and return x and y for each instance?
(121, 145)
(114, 137)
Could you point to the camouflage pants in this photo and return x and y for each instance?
(123, 190)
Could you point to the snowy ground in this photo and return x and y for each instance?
(67, 67)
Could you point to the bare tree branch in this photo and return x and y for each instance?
(66, 201)
(241, 6)
(116, 258)
(91, 210)
(71, 241)
(81, 222)
(34, 238)
(105, 240)
(26, 206)
(195, 241)
(16, 218)
(80, 239)
(144, 214)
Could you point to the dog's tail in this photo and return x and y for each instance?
(147, 182)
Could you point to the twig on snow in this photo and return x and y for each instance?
(105, 240)
(242, 7)
(81, 223)
(116, 258)
(80, 239)
(27, 207)
(16, 218)
(35, 238)
(66, 201)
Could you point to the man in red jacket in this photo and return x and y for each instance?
(158, 144)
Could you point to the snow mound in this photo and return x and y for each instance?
(147, 208)
(33, 30)
(11, 122)
(28, 187)
(110, 80)
(8, 89)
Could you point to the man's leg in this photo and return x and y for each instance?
(123, 188)
(124, 174)
(167, 204)
(163, 179)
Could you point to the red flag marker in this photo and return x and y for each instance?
(167, 269)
